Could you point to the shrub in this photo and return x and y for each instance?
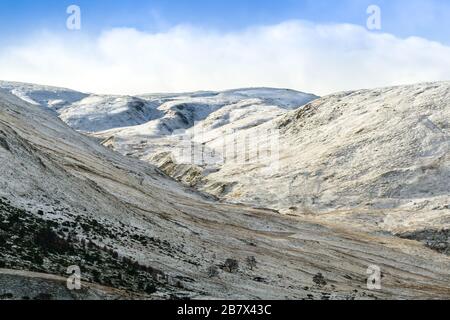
(231, 266)
(319, 280)
(49, 241)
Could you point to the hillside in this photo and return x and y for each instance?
(68, 200)
(377, 159)
(376, 149)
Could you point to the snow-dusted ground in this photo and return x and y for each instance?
(385, 150)
(364, 162)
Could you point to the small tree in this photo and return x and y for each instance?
(251, 262)
(231, 266)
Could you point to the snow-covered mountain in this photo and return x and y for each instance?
(67, 200)
(45, 96)
(154, 114)
(364, 150)
(378, 160)
(147, 127)
(383, 149)
(99, 113)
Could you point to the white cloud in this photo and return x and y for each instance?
(299, 55)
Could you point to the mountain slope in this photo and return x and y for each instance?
(67, 200)
(381, 154)
(386, 149)
(390, 144)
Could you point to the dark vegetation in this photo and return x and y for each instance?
(231, 266)
(28, 242)
(437, 240)
(319, 280)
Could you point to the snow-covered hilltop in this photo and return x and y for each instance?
(45, 96)
(159, 114)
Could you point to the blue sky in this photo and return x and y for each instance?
(138, 46)
(425, 18)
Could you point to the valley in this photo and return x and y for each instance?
(361, 179)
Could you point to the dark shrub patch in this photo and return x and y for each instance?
(49, 241)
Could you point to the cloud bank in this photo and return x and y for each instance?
(315, 58)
